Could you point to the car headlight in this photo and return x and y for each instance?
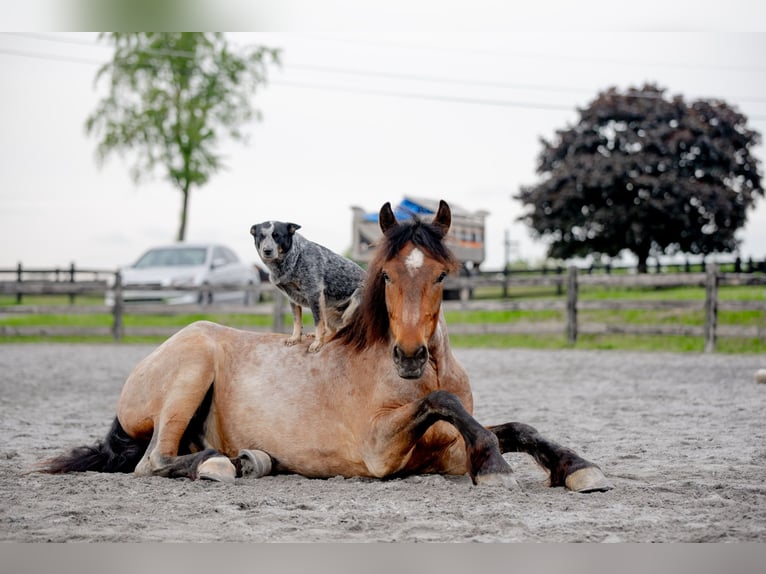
(185, 281)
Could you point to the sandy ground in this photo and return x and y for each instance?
(682, 438)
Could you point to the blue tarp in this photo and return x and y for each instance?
(407, 209)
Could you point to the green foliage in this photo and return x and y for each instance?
(172, 98)
(645, 173)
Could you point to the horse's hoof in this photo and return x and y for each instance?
(588, 479)
(218, 468)
(504, 479)
(255, 463)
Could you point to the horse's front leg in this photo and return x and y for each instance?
(566, 467)
(394, 436)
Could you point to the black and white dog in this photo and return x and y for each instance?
(311, 276)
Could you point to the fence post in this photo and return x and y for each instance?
(19, 296)
(71, 280)
(572, 305)
(711, 307)
(118, 328)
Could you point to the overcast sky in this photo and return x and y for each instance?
(356, 116)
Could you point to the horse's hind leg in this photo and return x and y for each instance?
(183, 393)
(207, 464)
(566, 467)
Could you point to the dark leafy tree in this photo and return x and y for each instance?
(172, 98)
(645, 173)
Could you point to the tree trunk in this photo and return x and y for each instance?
(642, 267)
(184, 212)
(643, 254)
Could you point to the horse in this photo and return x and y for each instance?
(384, 398)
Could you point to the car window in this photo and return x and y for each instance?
(227, 255)
(172, 258)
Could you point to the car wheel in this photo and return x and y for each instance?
(205, 295)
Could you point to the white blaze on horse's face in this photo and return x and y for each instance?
(414, 261)
(413, 299)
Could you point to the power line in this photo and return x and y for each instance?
(364, 91)
(433, 97)
(533, 55)
(372, 92)
(58, 39)
(404, 76)
(56, 57)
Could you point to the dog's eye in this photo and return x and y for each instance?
(441, 277)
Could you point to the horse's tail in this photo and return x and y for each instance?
(118, 452)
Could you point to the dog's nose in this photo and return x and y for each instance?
(268, 252)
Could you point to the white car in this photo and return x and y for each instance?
(188, 265)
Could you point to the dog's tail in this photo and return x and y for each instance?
(118, 452)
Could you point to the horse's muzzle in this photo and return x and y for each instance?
(410, 366)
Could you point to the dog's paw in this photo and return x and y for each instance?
(290, 341)
(315, 346)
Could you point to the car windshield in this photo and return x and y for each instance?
(172, 258)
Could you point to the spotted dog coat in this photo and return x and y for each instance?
(311, 276)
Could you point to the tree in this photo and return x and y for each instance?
(172, 98)
(645, 173)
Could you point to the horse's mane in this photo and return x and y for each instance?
(369, 323)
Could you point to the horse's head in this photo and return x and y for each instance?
(411, 265)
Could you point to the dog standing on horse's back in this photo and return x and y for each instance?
(311, 276)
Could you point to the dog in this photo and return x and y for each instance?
(311, 276)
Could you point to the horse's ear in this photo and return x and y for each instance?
(386, 217)
(443, 217)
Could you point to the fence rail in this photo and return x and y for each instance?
(568, 284)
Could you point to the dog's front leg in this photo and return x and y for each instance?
(319, 310)
(295, 338)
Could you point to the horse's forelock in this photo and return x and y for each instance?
(426, 236)
(370, 322)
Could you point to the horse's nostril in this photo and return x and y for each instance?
(420, 355)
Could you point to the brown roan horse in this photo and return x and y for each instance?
(384, 398)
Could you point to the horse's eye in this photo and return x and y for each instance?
(385, 276)
(441, 277)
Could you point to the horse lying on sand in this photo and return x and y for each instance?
(384, 398)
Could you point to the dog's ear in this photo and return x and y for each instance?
(443, 217)
(254, 230)
(386, 217)
(292, 228)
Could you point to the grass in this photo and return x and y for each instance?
(678, 343)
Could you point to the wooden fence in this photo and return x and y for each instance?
(568, 283)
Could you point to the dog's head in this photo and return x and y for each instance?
(273, 239)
